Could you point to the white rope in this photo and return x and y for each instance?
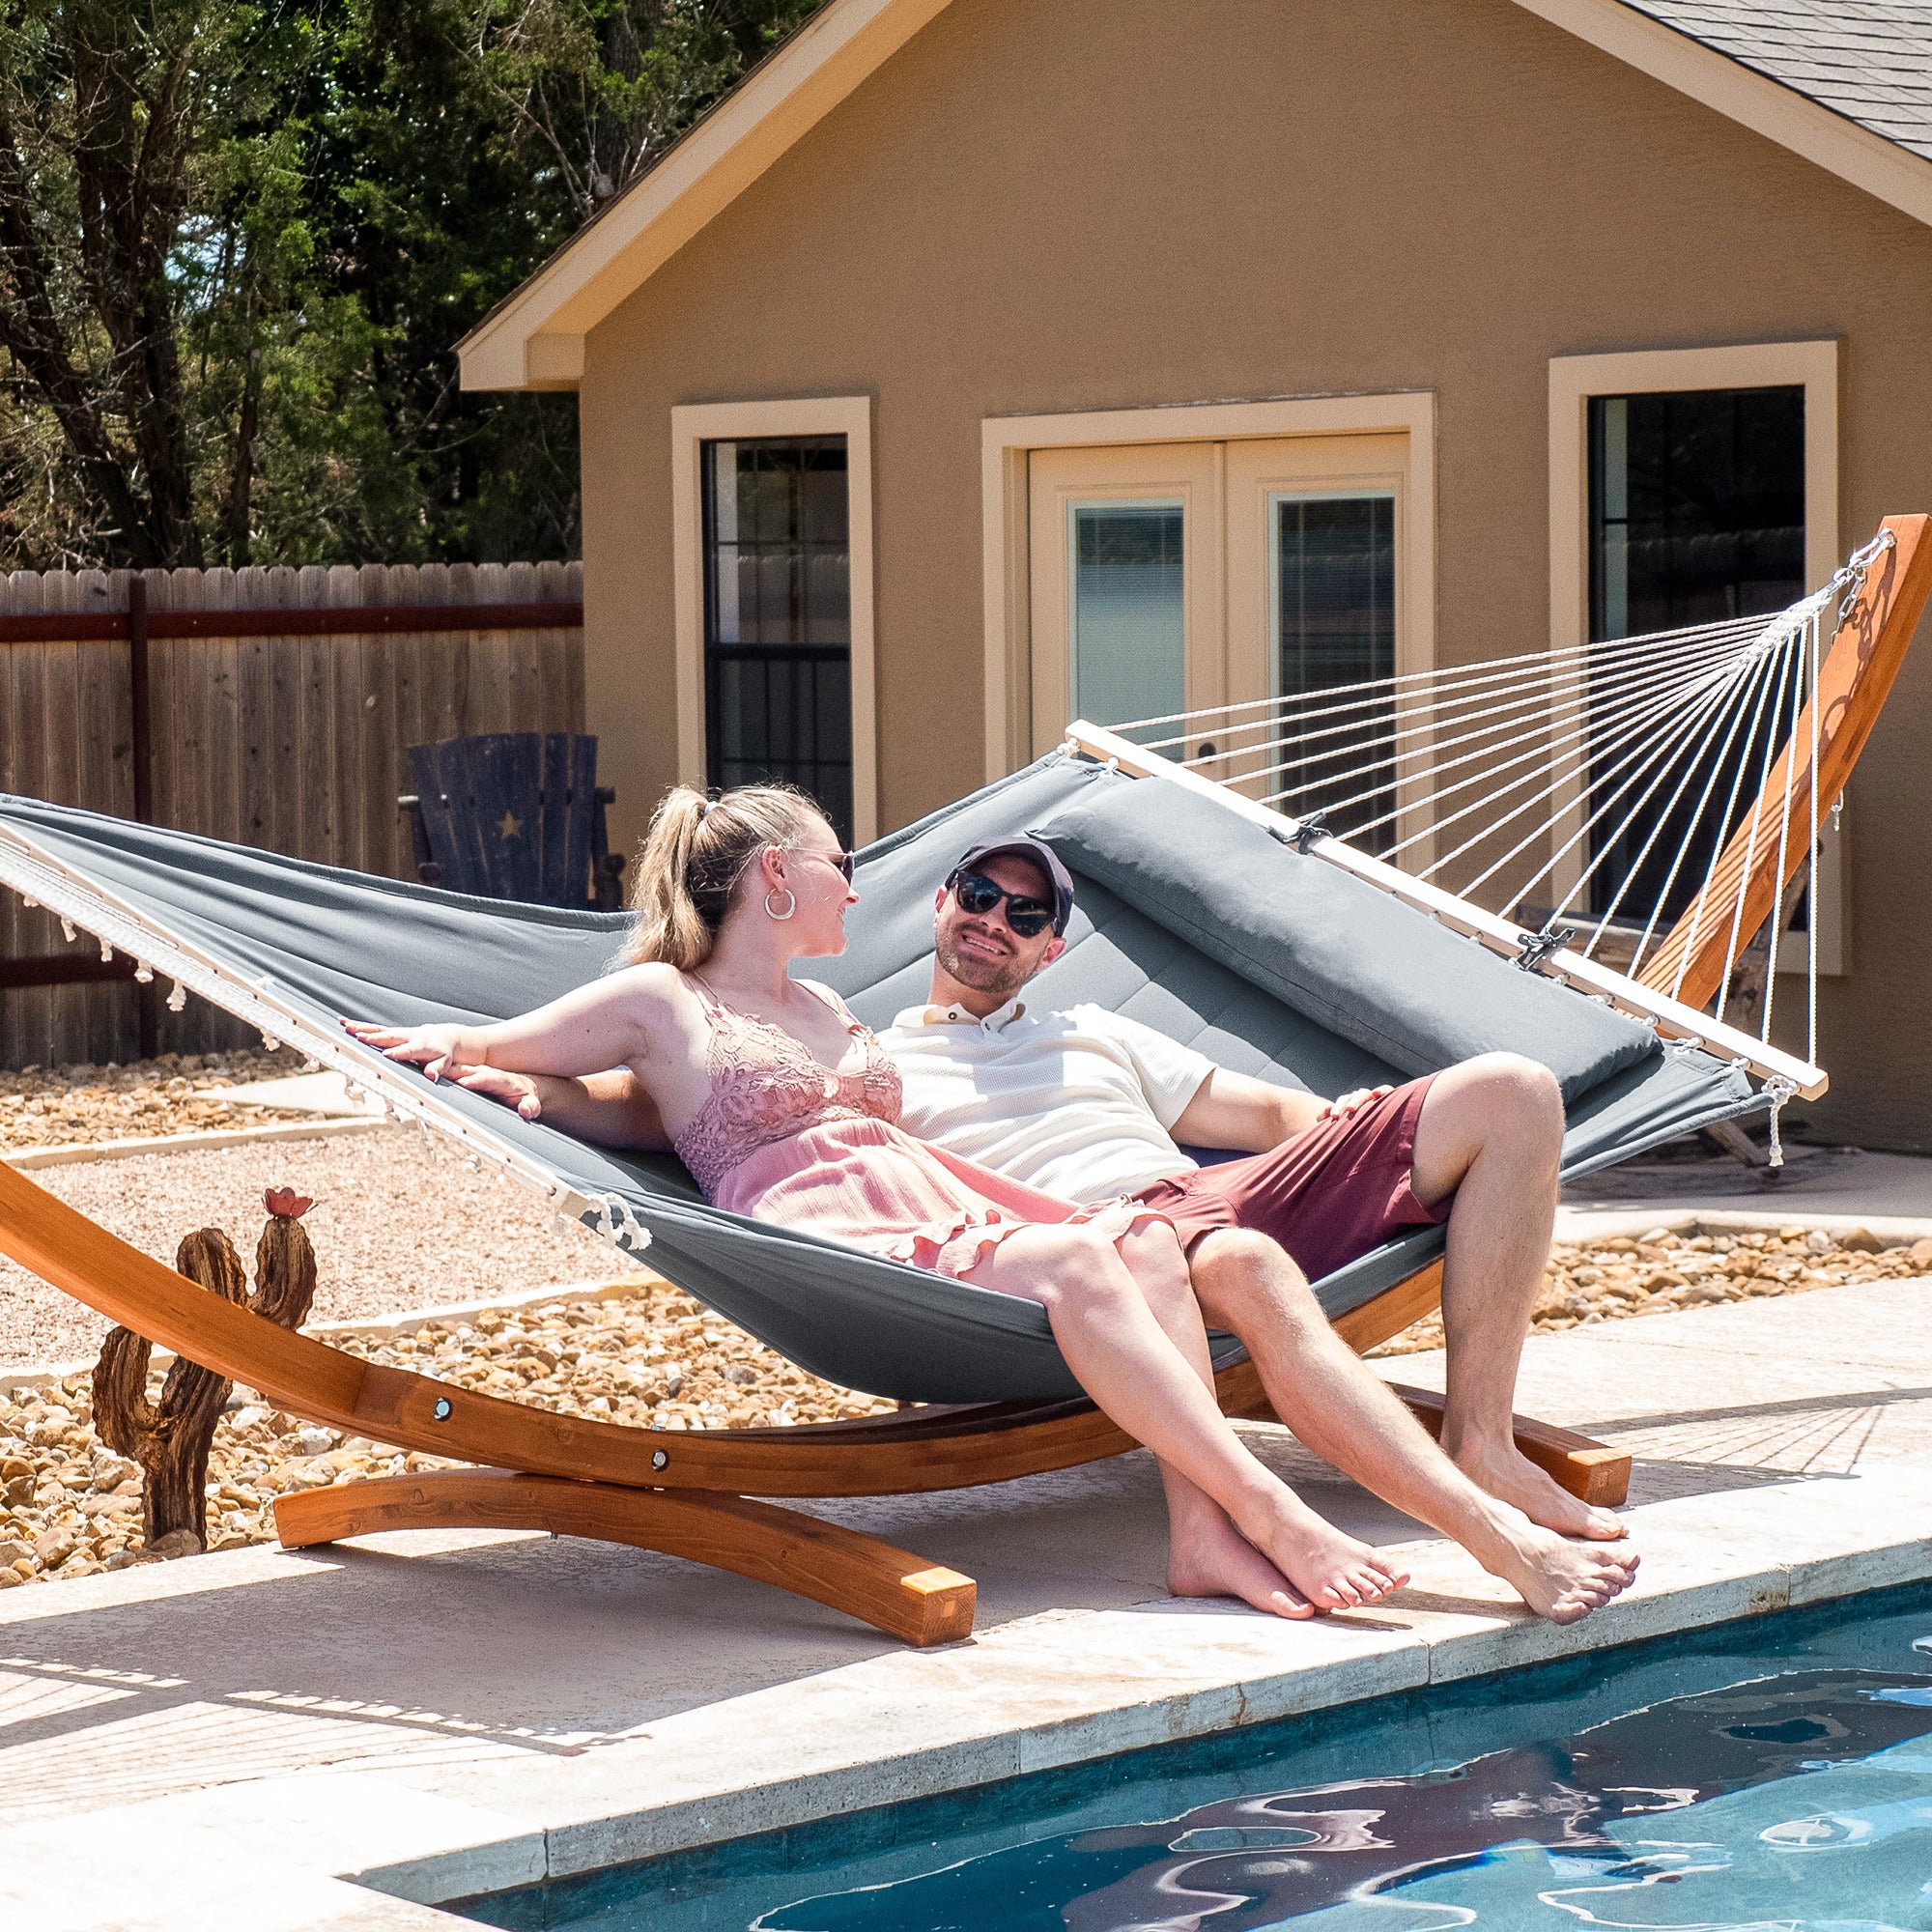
(1750, 848)
(1633, 724)
(1487, 669)
(1667, 752)
(1537, 704)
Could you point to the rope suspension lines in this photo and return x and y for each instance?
(1632, 801)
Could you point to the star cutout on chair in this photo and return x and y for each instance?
(509, 825)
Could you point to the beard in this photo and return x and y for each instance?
(1003, 976)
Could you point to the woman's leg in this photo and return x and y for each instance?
(1133, 1338)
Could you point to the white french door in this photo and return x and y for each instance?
(1169, 578)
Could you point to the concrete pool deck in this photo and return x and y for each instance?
(229, 1742)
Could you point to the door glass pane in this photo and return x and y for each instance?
(1128, 624)
(777, 630)
(1334, 624)
(1696, 514)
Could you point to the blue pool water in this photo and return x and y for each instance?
(1770, 1774)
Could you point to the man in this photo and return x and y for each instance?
(1087, 1105)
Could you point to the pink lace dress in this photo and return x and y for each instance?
(781, 1137)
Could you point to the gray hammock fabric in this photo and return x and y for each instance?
(1189, 919)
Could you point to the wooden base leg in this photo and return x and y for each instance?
(908, 1598)
(1598, 1474)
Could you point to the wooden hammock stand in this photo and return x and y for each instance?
(691, 1493)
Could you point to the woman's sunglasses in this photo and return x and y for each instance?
(846, 861)
(977, 894)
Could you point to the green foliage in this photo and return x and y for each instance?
(239, 240)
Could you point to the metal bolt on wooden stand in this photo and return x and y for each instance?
(170, 1438)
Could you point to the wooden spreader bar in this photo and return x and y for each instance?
(683, 1492)
(1853, 684)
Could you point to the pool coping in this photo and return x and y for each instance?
(1044, 1692)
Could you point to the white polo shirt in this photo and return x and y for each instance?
(1075, 1103)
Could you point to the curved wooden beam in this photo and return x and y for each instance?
(1853, 684)
(939, 1446)
(904, 1595)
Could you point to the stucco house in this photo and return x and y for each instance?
(982, 362)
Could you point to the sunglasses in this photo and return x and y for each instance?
(846, 861)
(976, 894)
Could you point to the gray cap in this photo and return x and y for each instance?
(1042, 855)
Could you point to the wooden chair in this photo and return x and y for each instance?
(514, 815)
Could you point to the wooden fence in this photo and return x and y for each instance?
(287, 733)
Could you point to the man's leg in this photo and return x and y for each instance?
(1490, 1133)
(1338, 1405)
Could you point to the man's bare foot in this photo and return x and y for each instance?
(1557, 1579)
(1506, 1473)
(1210, 1557)
(1332, 1571)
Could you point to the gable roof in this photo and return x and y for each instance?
(1845, 83)
(1868, 60)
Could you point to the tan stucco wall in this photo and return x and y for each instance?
(1047, 205)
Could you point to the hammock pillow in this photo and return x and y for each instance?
(1355, 961)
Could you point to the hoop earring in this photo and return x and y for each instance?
(791, 903)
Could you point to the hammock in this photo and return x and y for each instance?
(1196, 922)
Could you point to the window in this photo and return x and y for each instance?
(1128, 618)
(777, 618)
(771, 598)
(1696, 514)
(1689, 485)
(1334, 624)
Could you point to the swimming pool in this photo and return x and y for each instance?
(1771, 1774)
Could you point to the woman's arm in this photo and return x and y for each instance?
(589, 1029)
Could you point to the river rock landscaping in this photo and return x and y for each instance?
(59, 1106)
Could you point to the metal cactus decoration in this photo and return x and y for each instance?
(170, 1437)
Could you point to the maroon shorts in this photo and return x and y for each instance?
(1329, 1196)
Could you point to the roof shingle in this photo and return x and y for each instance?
(1868, 60)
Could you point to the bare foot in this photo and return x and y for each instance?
(1506, 1473)
(1557, 1579)
(1332, 1571)
(1210, 1557)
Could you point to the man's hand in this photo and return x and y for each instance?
(1350, 1104)
(513, 1090)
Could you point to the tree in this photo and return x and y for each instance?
(238, 243)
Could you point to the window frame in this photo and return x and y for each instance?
(1816, 367)
(692, 426)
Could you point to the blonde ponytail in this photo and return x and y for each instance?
(693, 857)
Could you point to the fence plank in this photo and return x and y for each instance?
(295, 742)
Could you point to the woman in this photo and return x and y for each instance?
(783, 1107)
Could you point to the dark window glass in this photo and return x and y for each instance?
(1335, 625)
(1697, 515)
(778, 629)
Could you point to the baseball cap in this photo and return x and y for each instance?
(1042, 855)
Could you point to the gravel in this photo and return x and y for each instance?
(394, 1227)
(58, 1106)
(71, 1507)
(1658, 1271)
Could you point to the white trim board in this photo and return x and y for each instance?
(692, 426)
